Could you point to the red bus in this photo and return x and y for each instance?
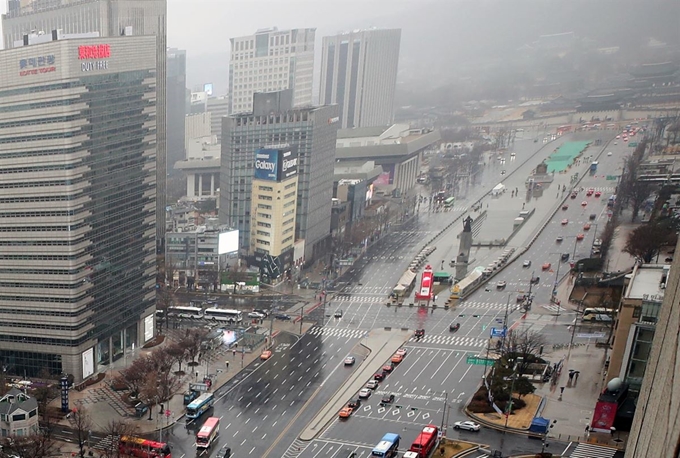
(208, 432)
(143, 448)
(563, 130)
(425, 441)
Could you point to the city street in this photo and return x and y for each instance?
(262, 411)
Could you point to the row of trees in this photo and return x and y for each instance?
(151, 377)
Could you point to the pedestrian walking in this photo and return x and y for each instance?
(576, 376)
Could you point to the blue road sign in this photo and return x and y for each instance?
(497, 332)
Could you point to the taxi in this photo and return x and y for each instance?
(266, 355)
(545, 266)
(345, 412)
(580, 237)
(397, 358)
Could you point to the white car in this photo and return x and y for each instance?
(349, 361)
(373, 384)
(501, 284)
(365, 393)
(526, 263)
(256, 315)
(609, 153)
(468, 425)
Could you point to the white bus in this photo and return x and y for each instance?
(231, 316)
(597, 314)
(185, 312)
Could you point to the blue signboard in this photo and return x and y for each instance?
(497, 332)
(275, 164)
(266, 164)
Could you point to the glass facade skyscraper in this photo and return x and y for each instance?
(312, 133)
(111, 18)
(77, 217)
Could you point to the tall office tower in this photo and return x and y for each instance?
(655, 430)
(111, 18)
(359, 73)
(77, 220)
(217, 107)
(275, 124)
(176, 96)
(269, 61)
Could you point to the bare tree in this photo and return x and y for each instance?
(523, 348)
(38, 445)
(134, 375)
(81, 423)
(639, 192)
(160, 382)
(164, 300)
(43, 394)
(117, 429)
(192, 343)
(645, 241)
(178, 353)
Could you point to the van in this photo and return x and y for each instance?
(524, 213)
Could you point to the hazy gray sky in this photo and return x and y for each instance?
(205, 26)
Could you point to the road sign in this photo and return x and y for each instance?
(612, 177)
(497, 332)
(632, 144)
(477, 361)
(595, 335)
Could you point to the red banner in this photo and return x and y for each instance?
(603, 418)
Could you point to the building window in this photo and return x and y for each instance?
(263, 207)
(264, 197)
(265, 188)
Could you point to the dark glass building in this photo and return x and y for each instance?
(78, 196)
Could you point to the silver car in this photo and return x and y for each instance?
(467, 425)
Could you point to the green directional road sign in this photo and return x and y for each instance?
(632, 144)
(612, 177)
(478, 361)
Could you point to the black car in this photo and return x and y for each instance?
(535, 280)
(224, 452)
(354, 404)
(282, 316)
(420, 333)
(387, 399)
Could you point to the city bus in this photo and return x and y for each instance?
(185, 312)
(426, 441)
(448, 203)
(388, 446)
(143, 448)
(208, 432)
(593, 313)
(198, 406)
(228, 315)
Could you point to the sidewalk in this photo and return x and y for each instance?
(575, 410)
(104, 405)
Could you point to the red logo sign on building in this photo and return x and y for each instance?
(94, 52)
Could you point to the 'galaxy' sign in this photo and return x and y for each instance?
(275, 164)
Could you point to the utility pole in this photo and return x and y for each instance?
(446, 397)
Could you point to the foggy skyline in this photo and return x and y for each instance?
(439, 37)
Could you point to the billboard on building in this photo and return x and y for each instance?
(227, 242)
(208, 89)
(275, 164)
(88, 362)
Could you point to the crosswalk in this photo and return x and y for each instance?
(488, 305)
(338, 332)
(451, 340)
(604, 189)
(555, 308)
(362, 299)
(592, 451)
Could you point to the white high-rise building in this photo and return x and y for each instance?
(271, 60)
(359, 73)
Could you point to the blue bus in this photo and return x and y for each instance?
(388, 446)
(198, 406)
